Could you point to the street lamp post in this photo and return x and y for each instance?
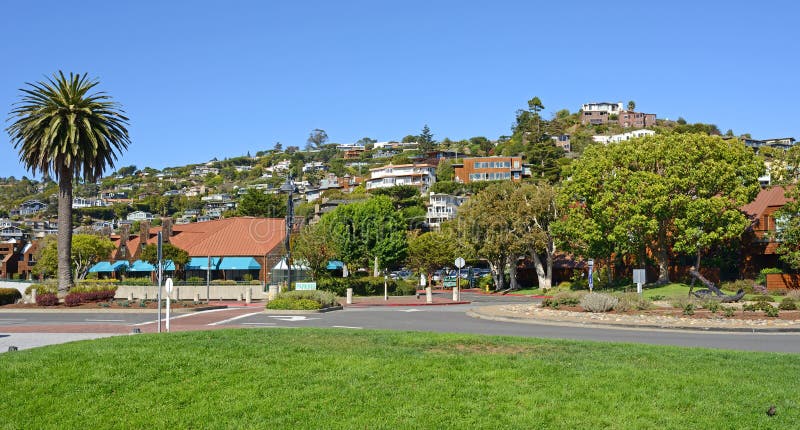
(289, 189)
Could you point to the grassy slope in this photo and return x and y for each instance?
(339, 379)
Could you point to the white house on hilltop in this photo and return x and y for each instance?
(624, 136)
(421, 176)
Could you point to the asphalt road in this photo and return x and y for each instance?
(449, 319)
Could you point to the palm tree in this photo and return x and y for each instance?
(62, 130)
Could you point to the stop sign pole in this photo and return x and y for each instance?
(457, 289)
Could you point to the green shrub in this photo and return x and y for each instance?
(749, 307)
(144, 281)
(247, 277)
(740, 284)
(793, 294)
(763, 298)
(42, 289)
(770, 311)
(657, 297)
(326, 299)
(631, 302)
(681, 302)
(688, 309)
(365, 286)
(223, 282)
(787, 304)
(566, 298)
(486, 282)
(255, 282)
(762, 275)
(9, 296)
(195, 280)
(728, 311)
(598, 302)
(712, 305)
(293, 304)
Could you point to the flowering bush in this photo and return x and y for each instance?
(46, 299)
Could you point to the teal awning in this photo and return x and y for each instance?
(143, 266)
(335, 265)
(103, 266)
(201, 263)
(239, 263)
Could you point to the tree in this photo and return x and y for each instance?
(278, 146)
(316, 139)
(430, 251)
(63, 130)
(445, 171)
(631, 105)
(534, 211)
(127, 171)
(426, 141)
(256, 203)
(86, 250)
(169, 251)
(663, 193)
(488, 234)
(367, 230)
(314, 246)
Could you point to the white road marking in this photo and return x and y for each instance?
(181, 316)
(410, 310)
(292, 318)
(344, 326)
(236, 318)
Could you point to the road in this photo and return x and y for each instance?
(29, 327)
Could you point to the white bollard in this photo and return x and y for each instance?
(197, 297)
(177, 294)
(428, 295)
(248, 295)
(349, 296)
(33, 295)
(455, 294)
(130, 296)
(273, 292)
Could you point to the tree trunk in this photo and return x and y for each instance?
(497, 275)
(512, 271)
(64, 231)
(663, 257)
(545, 281)
(375, 271)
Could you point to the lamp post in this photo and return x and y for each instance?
(289, 189)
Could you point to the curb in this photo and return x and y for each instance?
(110, 310)
(374, 305)
(522, 320)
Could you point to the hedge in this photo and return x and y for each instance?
(366, 286)
(9, 296)
(303, 300)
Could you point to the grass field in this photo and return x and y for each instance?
(317, 378)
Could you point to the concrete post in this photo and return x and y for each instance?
(428, 295)
(349, 296)
(178, 293)
(130, 296)
(197, 297)
(33, 295)
(455, 293)
(248, 295)
(273, 292)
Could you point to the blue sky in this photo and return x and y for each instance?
(218, 79)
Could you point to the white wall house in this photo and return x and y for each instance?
(140, 216)
(421, 176)
(441, 208)
(611, 108)
(624, 136)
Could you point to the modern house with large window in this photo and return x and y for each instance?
(490, 169)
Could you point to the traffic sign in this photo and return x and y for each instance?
(168, 285)
(459, 262)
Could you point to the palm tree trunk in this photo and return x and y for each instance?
(64, 231)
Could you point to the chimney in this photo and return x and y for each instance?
(166, 229)
(144, 232)
(124, 234)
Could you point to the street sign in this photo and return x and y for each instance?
(301, 286)
(168, 285)
(639, 278)
(591, 273)
(450, 281)
(459, 262)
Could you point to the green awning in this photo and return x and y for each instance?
(239, 263)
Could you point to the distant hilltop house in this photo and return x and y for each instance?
(140, 216)
(478, 169)
(623, 136)
(600, 113)
(421, 176)
(81, 202)
(562, 141)
(29, 207)
(781, 143)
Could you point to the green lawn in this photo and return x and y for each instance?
(316, 378)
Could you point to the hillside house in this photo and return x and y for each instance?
(478, 169)
(421, 176)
